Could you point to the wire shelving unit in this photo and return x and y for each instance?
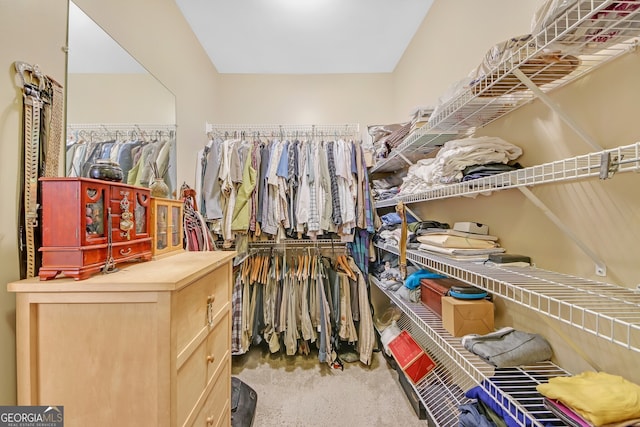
(524, 75)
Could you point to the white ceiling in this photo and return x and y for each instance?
(272, 36)
(304, 36)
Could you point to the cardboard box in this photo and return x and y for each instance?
(471, 227)
(411, 358)
(462, 317)
(432, 291)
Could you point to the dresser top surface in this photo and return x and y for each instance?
(165, 274)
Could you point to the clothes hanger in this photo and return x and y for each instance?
(344, 264)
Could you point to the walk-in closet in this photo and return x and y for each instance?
(287, 213)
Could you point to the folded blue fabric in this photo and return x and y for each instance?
(471, 417)
(394, 218)
(481, 393)
(413, 280)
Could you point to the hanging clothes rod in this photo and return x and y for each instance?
(298, 242)
(351, 129)
(125, 127)
(130, 129)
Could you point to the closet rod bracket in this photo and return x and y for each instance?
(608, 165)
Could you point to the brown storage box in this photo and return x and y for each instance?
(462, 317)
(411, 358)
(432, 291)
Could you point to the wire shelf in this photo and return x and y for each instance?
(600, 164)
(458, 370)
(587, 35)
(605, 310)
(415, 146)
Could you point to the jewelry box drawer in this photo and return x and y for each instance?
(140, 248)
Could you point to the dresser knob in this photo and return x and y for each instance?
(211, 298)
(211, 358)
(209, 420)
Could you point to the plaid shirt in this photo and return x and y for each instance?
(236, 316)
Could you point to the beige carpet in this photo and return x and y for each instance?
(300, 391)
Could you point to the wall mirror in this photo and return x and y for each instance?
(116, 110)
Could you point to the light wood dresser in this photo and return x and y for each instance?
(148, 345)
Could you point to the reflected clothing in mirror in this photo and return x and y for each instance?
(136, 156)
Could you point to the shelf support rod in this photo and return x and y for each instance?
(601, 268)
(556, 109)
(413, 214)
(403, 157)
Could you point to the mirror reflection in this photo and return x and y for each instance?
(118, 114)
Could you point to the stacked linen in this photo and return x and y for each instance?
(593, 399)
(459, 245)
(448, 165)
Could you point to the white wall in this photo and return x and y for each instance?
(452, 40)
(305, 99)
(18, 42)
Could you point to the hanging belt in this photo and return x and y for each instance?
(32, 107)
(54, 112)
(33, 86)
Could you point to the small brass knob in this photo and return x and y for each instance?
(211, 358)
(211, 298)
(209, 420)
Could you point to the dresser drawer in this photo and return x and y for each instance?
(199, 303)
(216, 411)
(192, 380)
(218, 344)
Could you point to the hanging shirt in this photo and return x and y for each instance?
(303, 202)
(242, 208)
(271, 216)
(313, 225)
(211, 182)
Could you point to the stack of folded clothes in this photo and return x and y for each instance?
(489, 169)
(454, 157)
(593, 399)
(458, 245)
(508, 347)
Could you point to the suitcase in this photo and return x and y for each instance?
(432, 291)
(243, 403)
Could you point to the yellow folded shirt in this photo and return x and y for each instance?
(598, 397)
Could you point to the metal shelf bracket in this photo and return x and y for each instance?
(601, 268)
(403, 157)
(556, 109)
(608, 165)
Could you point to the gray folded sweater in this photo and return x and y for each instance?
(508, 347)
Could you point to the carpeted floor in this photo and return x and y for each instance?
(298, 391)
